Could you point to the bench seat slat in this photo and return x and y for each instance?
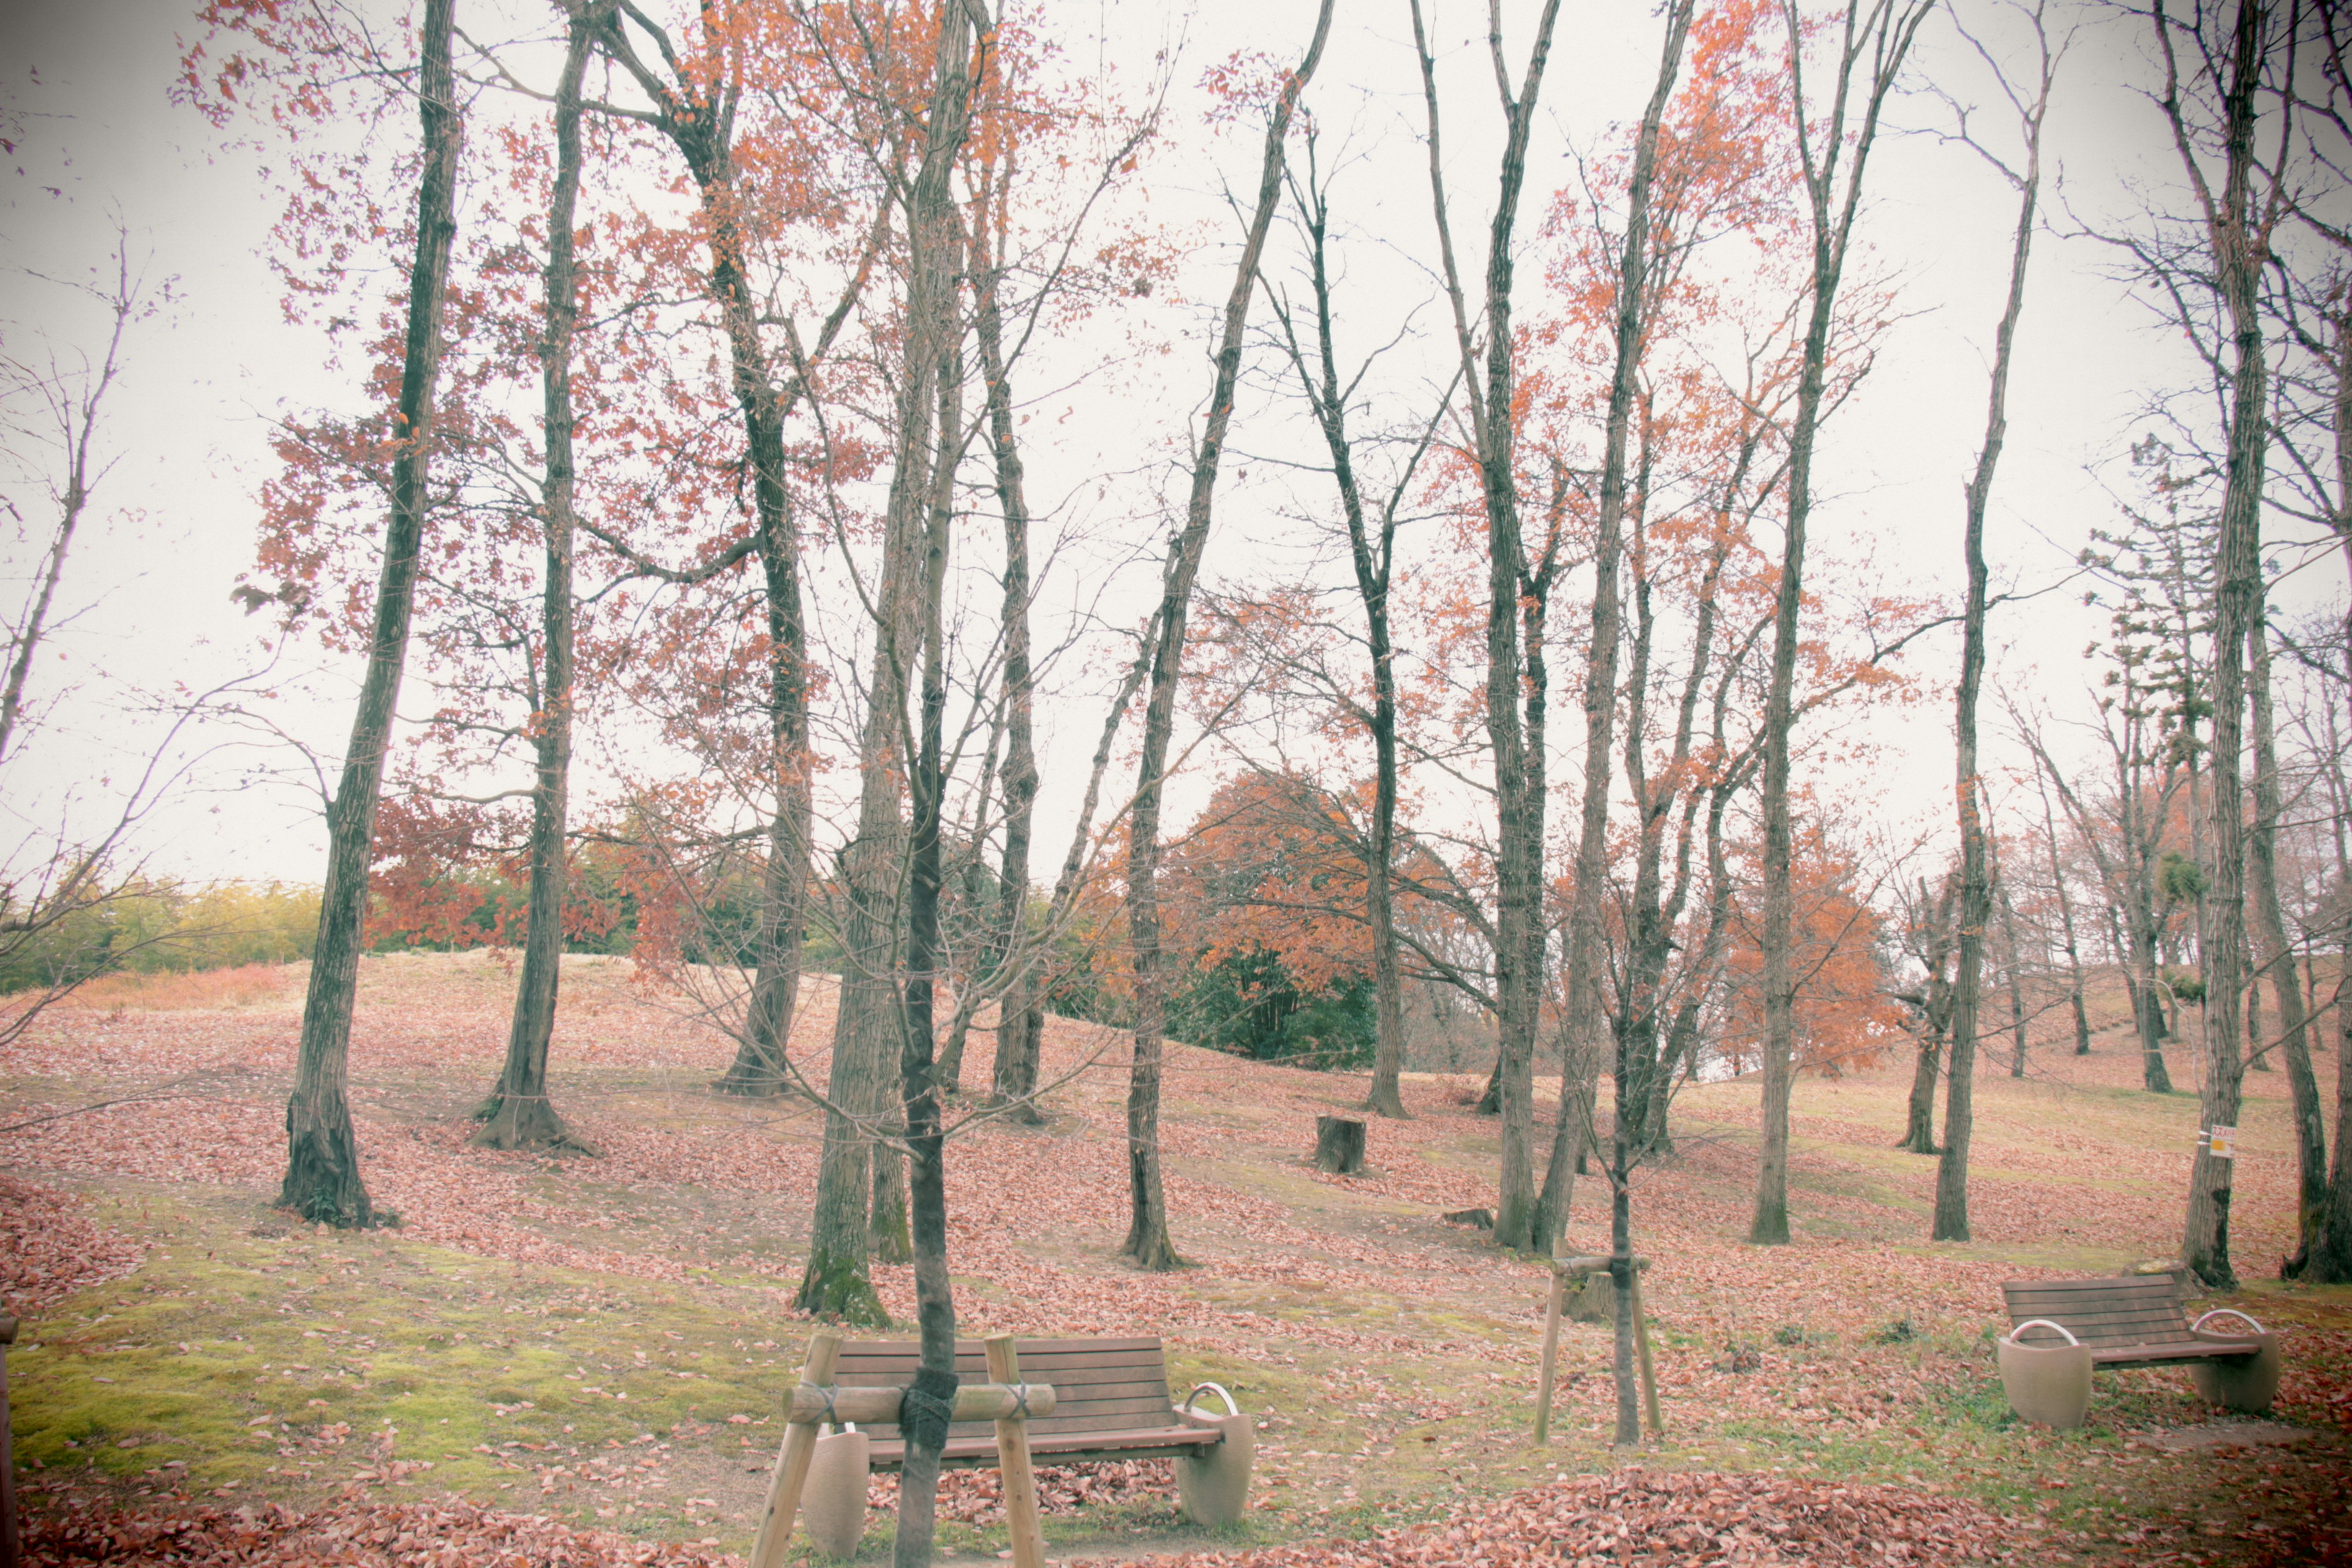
(966, 1452)
(2177, 1350)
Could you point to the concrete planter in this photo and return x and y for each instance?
(2048, 1386)
(2246, 1384)
(833, 1501)
(1212, 1483)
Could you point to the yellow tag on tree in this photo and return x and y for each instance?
(2224, 1143)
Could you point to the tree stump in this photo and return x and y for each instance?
(1339, 1146)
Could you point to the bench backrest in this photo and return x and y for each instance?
(1099, 1386)
(2136, 1310)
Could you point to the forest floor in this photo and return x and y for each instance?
(579, 1359)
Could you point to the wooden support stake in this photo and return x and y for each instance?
(10, 1547)
(792, 1459)
(1012, 1460)
(1550, 1356)
(1648, 1379)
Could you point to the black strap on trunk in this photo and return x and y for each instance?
(926, 1408)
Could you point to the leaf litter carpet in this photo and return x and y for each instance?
(631, 1064)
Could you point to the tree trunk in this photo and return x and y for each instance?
(2011, 978)
(2238, 243)
(2328, 1260)
(935, 331)
(1374, 561)
(323, 1172)
(698, 115)
(2274, 955)
(1919, 1119)
(1147, 1238)
(1889, 33)
(1586, 1021)
(2066, 919)
(519, 1114)
(1519, 804)
(1020, 1008)
(870, 1020)
(1936, 1023)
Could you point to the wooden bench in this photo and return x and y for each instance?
(1110, 1402)
(2136, 1319)
(1060, 1401)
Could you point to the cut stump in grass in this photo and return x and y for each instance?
(1339, 1146)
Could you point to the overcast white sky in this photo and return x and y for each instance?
(86, 86)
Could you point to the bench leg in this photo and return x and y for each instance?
(1215, 1487)
(2246, 1384)
(833, 1504)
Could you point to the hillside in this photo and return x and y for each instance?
(603, 1340)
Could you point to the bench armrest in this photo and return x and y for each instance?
(1232, 1406)
(2198, 1326)
(2043, 1323)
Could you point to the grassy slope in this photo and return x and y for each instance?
(606, 1340)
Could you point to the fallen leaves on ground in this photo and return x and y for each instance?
(353, 1533)
(1642, 1519)
(50, 1248)
(977, 1497)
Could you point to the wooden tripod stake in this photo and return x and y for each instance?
(793, 1458)
(1013, 1461)
(8, 1543)
(1566, 1271)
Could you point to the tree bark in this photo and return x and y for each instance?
(2240, 244)
(1019, 1009)
(1587, 1012)
(1889, 31)
(932, 217)
(322, 1174)
(519, 1114)
(2328, 1260)
(2066, 920)
(2275, 955)
(1147, 1236)
(1518, 796)
(870, 1020)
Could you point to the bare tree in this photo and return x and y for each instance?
(1147, 1236)
(2213, 85)
(1874, 38)
(1587, 1010)
(1371, 555)
(1519, 941)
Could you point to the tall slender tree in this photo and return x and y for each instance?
(2237, 221)
(322, 1174)
(1513, 669)
(1874, 37)
(518, 1113)
(1976, 892)
(869, 1024)
(1147, 1236)
(1587, 1011)
(934, 233)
